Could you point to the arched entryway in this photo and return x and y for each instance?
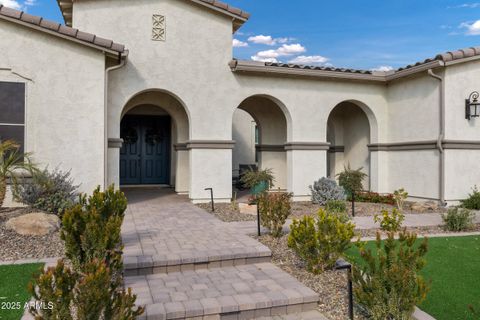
(349, 132)
(260, 133)
(155, 128)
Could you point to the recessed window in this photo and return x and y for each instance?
(12, 112)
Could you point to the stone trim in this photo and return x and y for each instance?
(115, 143)
(210, 144)
(336, 149)
(270, 148)
(307, 146)
(180, 147)
(425, 145)
(404, 146)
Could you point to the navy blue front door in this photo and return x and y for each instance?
(145, 154)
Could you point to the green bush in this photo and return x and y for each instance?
(320, 241)
(391, 222)
(351, 180)
(252, 178)
(91, 229)
(86, 295)
(274, 210)
(374, 197)
(400, 196)
(53, 192)
(458, 219)
(387, 283)
(473, 200)
(336, 206)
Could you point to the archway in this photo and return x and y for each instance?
(155, 129)
(260, 129)
(349, 132)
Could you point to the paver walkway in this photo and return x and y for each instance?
(184, 263)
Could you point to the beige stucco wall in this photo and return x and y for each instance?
(64, 103)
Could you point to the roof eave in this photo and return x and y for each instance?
(261, 68)
(107, 51)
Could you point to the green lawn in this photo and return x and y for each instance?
(13, 289)
(453, 266)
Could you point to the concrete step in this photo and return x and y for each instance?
(238, 292)
(309, 315)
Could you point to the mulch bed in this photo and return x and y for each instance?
(14, 246)
(330, 285)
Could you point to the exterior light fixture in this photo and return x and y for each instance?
(472, 105)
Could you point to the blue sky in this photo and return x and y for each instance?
(365, 34)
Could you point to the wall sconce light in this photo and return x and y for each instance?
(472, 105)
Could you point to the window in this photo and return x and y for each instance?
(12, 112)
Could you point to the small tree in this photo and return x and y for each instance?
(12, 163)
(274, 210)
(387, 282)
(320, 241)
(351, 180)
(400, 196)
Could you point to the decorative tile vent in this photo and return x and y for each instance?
(158, 29)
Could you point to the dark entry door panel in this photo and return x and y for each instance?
(145, 154)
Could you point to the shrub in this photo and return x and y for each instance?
(387, 283)
(11, 162)
(391, 222)
(336, 206)
(91, 229)
(473, 200)
(86, 295)
(400, 196)
(458, 219)
(374, 197)
(326, 189)
(53, 192)
(351, 180)
(320, 241)
(253, 178)
(274, 210)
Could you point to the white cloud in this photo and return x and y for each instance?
(18, 5)
(473, 28)
(383, 68)
(309, 60)
(239, 44)
(261, 39)
(466, 5)
(283, 51)
(269, 40)
(11, 4)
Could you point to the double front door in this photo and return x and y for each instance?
(145, 154)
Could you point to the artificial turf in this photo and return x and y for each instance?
(453, 267)
(13, 289)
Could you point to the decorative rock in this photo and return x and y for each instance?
(424, 206)
(34, 224)
(246, 208)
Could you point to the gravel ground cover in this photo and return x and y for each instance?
(330, 285)
(421, 231)
(14, 246)
(227, 212)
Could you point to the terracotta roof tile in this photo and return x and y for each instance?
(62, 30)
(322, 68)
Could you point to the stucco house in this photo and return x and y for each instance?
(165, 103)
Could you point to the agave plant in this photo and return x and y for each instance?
(12, 164)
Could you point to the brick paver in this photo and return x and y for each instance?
(163, 232)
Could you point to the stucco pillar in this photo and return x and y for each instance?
(210, 167)
(182, 169)
(306, 163)
(113, 161)
(274, 157)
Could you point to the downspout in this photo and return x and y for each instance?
(123, 61)
(441, 135)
